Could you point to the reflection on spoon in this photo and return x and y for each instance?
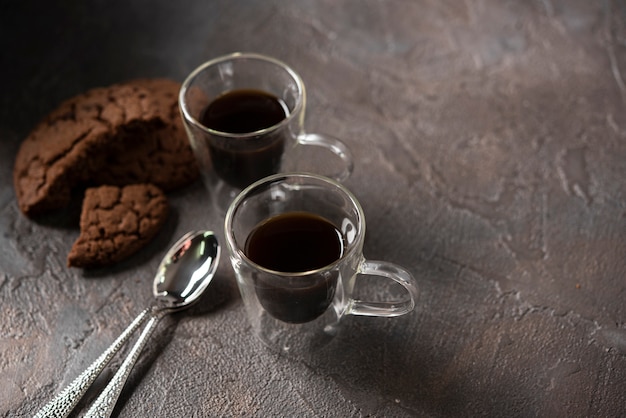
(183, 275)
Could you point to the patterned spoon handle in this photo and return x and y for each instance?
(66, 400)
(103, 406)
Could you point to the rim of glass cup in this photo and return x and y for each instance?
(233, 57)
(232, 242)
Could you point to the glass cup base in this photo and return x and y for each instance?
(294, 339)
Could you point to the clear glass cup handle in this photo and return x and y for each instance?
(386, 308)
(335, 146)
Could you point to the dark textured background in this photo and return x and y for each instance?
(490, 145)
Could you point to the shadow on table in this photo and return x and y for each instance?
(380, 375)
(399, 367)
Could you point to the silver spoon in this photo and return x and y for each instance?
(183, 275)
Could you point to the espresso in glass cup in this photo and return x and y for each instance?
(296, 245)
(244, 115)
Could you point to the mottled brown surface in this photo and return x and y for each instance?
(490, 146)
(116, 222)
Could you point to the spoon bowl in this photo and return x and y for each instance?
(186, 270)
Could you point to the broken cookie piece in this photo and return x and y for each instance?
(116, 222)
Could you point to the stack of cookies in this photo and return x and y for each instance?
(125, 147)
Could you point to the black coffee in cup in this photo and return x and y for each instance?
(242, 161)
(295, 243)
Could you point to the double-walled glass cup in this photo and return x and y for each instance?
(302, 311)
(229, 161)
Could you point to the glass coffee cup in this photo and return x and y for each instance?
(244, 115)
(296, 246)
